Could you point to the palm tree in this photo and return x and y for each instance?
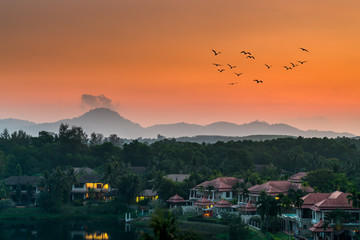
(354, 197)
(337, 217)
(71, 178)
(163, 225)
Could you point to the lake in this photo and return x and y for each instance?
(66, 230)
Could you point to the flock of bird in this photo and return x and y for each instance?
(249, 55)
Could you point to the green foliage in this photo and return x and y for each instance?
(6, 203)
(49, 201)
(237, 229)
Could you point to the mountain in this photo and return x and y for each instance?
(106, 121)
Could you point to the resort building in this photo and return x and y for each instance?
(216, 190)
(271, 188)
(90, 184)
(23, 189)
(309, 219)
(147, 194)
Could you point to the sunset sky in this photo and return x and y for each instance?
(153, 59)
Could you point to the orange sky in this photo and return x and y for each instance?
(154, 60)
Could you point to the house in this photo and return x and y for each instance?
(309, 219)
(23, 189)
(177, 177)
(147, 194)
(217, 189)
(272, 188)
(88, 184)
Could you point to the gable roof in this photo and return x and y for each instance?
(312, 198)
(23, 180)
(336, 200)
(274, 188)
(318, 227)
(221, 184)
(90, 178)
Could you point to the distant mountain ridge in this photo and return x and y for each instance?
(106, 121)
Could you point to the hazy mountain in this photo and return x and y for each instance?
(106, 121)
(14, 124)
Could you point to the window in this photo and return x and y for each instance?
(227, 194)
(98, 185)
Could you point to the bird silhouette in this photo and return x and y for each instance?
(302, 62)
(243, 52)
(288, 68)
(221, 70)
(303, 49)
(215, 52)
(216, 64)
(293, 65)
(231, 67)
(250, 57)
(258, 81)
(238, 74)
(232, 83)
(268, 66)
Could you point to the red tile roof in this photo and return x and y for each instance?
(222, 204)
(312, 198)
(273, 188)
(298, 177)
(176, 199)
(249, 207)
(203, 202)
(221, 184)
(318, 227)
(336, 200)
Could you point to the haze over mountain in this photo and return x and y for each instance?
(106, 121)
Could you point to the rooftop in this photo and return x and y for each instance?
(23, 180)
(274, 188)
(177, 177)
(221, 184)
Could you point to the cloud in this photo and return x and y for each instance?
(92, 101)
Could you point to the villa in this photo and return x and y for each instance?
(23, 189)
(216, 190)
(86, 184)
(309, 219)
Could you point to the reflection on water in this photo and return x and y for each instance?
(65, 230)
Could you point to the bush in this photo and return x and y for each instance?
(7, 203)
(78, 203)
(177, 211)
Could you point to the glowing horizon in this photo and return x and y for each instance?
(154, 61)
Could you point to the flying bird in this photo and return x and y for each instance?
(215, 52)
(238, 74)
(221, 70)
(303, 49)
(245, 52)
(258, 81)
(302, 62)
(250, 57)
(231, 67)
(268, 66)
(288, 68)
(232, 83)
(294, 65)
(216, 64)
